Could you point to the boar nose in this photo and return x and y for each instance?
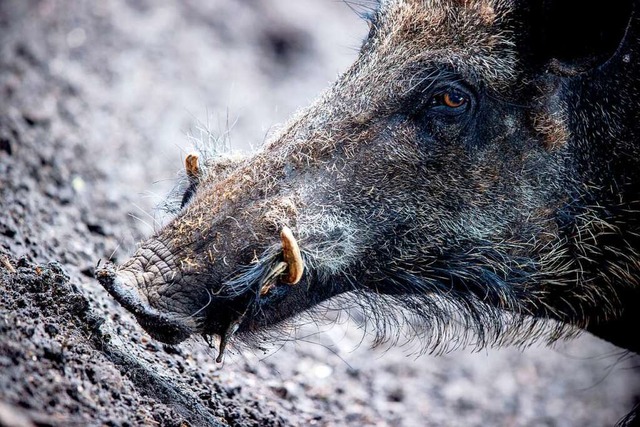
(161, 326)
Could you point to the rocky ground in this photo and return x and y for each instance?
(98, 102)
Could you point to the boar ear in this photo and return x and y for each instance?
(573, 36)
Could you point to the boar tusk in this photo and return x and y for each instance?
(192, 167)
(265, 289)
(224, 340)
(228, 334)
(292, 256)
(288, 271)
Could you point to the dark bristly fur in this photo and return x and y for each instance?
(475, 176)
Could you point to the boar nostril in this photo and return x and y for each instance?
(292, 256)
(161, 326)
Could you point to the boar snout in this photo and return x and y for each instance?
(160, 326)
(171, 305)
(148, 286)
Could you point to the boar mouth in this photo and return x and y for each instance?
(288, 271)
(130, 285)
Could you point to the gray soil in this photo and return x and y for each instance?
(98, 102)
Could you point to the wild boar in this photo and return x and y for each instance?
(477, 168)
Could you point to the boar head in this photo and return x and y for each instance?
(476, 166)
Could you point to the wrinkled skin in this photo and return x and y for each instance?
(478, 166)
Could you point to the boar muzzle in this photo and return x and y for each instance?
(171, 305)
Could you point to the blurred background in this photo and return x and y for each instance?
(124, 86)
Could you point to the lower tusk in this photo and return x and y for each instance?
(271, 278)
(224, 341)
(228, 334)
(292, 257)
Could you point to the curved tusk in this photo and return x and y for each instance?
(192, 166)
(292, 256)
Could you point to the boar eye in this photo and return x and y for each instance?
(453, 100)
